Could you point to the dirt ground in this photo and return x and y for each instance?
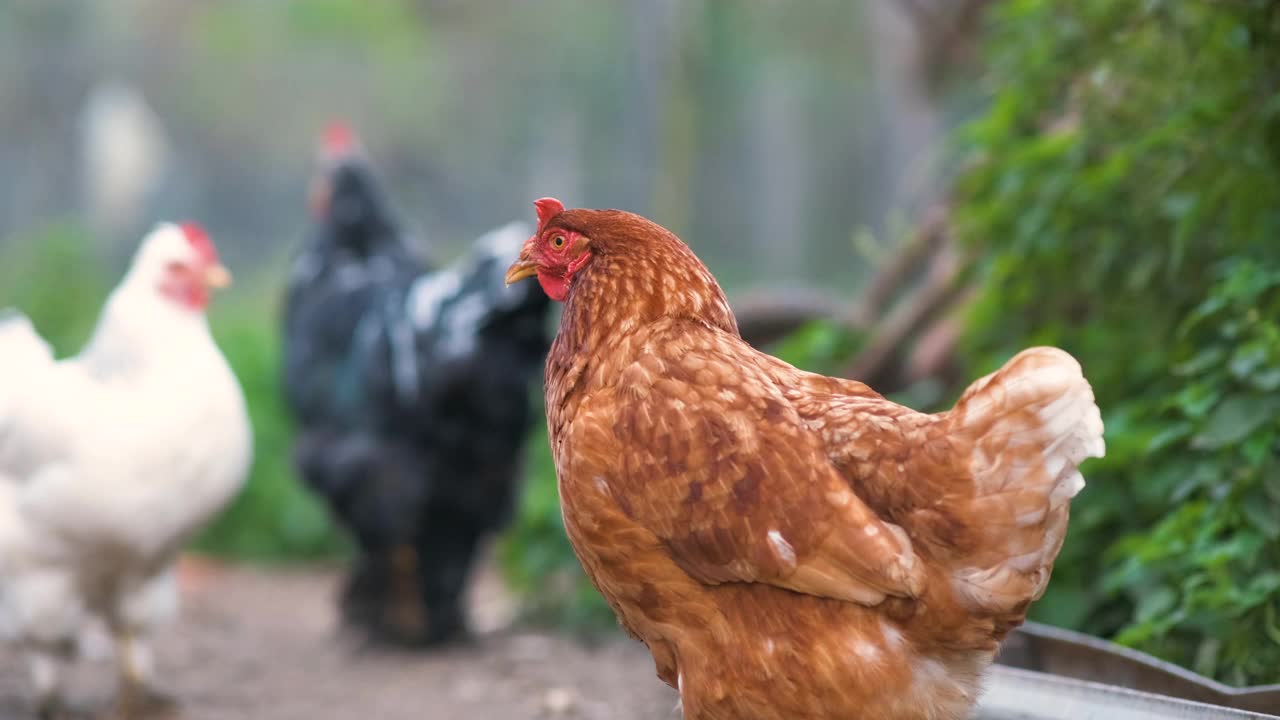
(263, 646)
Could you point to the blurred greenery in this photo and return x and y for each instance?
(721, 118)
(1121, 191)
(52, 275)
(820, 346)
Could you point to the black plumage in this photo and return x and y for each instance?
(412, 387)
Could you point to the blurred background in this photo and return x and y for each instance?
(902, 191)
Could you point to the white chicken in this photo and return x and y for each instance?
(109, 461)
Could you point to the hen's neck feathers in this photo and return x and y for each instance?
(639, 273)
(139, 328)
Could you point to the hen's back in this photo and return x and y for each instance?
(375, 345)
(335, 336)
(38, 397)
(478, 344)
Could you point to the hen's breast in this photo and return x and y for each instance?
(170, 449)
(212, 465)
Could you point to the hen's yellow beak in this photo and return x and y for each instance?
(522, 268)
(217, 276)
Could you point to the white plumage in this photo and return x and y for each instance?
(110, 460)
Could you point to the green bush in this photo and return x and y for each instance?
(1203, 581)
(1123, 192)
(54, 278)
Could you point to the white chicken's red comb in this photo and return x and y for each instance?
(199, 240)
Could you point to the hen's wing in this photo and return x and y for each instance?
(986, 485)
(697, 445)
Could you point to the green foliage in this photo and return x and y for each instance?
(1122, 189)
(51, 275)
(54, 276)
(820, 346)
(383, 30)
(1204, 580)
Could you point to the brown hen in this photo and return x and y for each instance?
(790, 545)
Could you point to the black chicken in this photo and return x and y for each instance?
(401, 377)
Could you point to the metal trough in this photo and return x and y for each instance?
(1075, 672)
(1014, 694)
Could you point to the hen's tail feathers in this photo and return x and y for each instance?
(1029, 425)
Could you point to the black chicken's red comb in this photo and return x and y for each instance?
(338, 139)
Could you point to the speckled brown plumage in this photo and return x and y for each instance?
(790, 545)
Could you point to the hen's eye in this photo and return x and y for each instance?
(558, 241)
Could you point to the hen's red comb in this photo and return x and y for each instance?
(338, 139)
(199, 240)
(547, 208)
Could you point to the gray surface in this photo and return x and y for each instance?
(1014, 694)
(1070, 654)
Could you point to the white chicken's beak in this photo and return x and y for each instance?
(217, 276)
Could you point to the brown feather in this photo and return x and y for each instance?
(790, 545)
